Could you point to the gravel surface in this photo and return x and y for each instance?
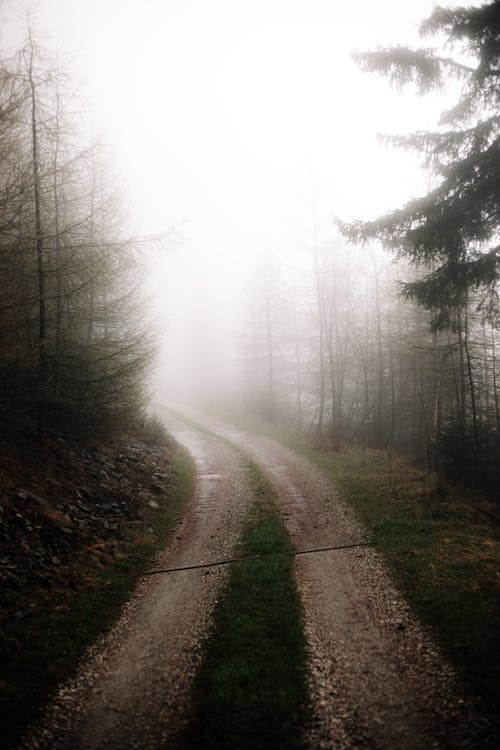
(378, 679)
(133, 689)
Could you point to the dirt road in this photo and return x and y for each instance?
(133, 691)
(377, 679)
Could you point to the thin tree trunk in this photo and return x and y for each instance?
(92, 233)
(319, 302)
(42, 316)
(461, 358)
(494, 375)
(472, 388)
(390, 434)
(57, 252)
(298, 368)
(378, 418)
(456, 386)
(331, 359)
(270, 353)
(436, 406)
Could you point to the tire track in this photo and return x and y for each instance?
(134, 688)
(377, 678)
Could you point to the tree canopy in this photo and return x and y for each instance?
(452, 233)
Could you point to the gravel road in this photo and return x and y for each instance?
(133, 689)
(378, 680)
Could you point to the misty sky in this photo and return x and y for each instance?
(219, 115)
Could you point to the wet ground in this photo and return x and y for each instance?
(377, 678)
(133, 690)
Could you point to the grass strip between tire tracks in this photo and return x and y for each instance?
(50, 643)
(251, 691)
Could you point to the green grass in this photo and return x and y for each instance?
(45, 648)
(444, 548)
(441, 542)
(251, 691)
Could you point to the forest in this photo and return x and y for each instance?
(249, 465)
(74, 344)
(391, 337)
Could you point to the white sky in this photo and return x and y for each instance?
(218, 111)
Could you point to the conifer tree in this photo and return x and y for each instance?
(452, 233)
(74, 342)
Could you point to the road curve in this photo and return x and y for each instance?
(377, 678)
(133, 689)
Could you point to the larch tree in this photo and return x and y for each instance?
(74, 341)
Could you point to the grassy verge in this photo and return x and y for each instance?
(251, 690)
(444, 548)
(50, 643)
(441, 542)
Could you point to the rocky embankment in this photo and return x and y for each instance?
(65, 515)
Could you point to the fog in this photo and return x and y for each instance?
(240, 129)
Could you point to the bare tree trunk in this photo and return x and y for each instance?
(424, 419)
(319, 302)
(57, 250)
(392, 367)
(436, 406)
(298, 367)
(343, 345)
(366, 382)
(494, 377)
(472, 389)
(329, 328)
(380, 395)
(270, 353)
(461, 359)
(457, 389)
(92, 232)
(42, 317)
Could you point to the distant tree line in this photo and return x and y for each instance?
(74, 348)
(355, 356)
